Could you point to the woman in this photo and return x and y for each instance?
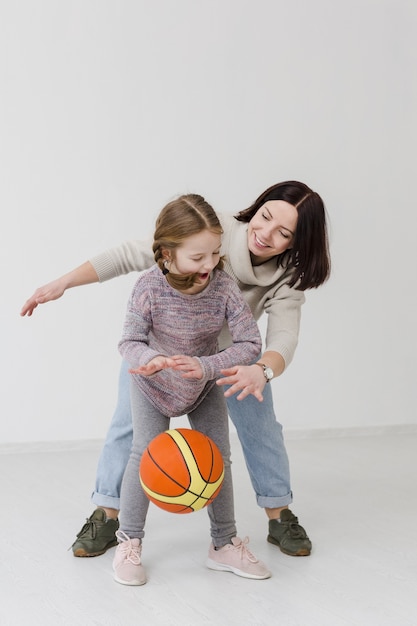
(275, 250)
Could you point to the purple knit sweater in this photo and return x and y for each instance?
(162, 320)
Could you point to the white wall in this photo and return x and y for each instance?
(110, 108)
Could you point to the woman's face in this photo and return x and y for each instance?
(271, 230)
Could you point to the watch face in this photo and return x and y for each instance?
(269, 373)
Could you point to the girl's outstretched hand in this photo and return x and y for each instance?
(156, 364)
(189, 366)
(248, 379)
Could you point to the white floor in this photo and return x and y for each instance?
(356, 496)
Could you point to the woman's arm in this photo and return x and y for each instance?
(281, 340)
(250, 379)
(85, 274)
(130, 256)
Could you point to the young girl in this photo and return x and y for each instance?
(170, 339)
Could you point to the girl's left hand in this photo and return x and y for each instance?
(153, 366)
(188, 365)
(248, 379)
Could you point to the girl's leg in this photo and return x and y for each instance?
(210, 418)
(134, 504)
(226, 552)
(148, 422)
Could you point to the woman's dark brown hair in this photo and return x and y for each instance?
(309, 256)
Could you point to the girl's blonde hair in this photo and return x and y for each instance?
(187, 215)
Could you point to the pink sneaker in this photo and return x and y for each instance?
(237, 558)
(128, 569)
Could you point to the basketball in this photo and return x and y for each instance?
(181, 470)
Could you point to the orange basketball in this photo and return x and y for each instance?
(181, 470)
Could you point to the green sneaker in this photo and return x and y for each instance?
(288, 535)
(96, 536)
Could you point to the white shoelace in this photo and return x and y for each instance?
(130, 553)
(244, 550)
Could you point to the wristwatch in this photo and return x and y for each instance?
(268, 371)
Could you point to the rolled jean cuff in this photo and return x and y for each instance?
(109, 502)
(269, 502)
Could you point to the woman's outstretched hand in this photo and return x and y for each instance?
(84, 274)
(246, 379)
(47, 293)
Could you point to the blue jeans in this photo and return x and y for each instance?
(259, 433)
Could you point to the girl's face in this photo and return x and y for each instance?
(198, 254)
(271, 230)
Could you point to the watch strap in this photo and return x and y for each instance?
(264, 369)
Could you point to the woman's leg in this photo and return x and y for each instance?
(263, 448)
(266, 458)
(99, 531)
(115, 453)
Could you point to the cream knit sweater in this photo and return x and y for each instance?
(263, 287)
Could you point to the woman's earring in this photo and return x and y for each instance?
(165, 271)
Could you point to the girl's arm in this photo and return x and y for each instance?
(244, 331)
(134, 343)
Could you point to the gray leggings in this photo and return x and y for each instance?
(210, 418)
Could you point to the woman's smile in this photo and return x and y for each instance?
(259, 243)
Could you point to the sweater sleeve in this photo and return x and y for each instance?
(283, 311)
(130, 256)
(246, 340)
(134, 344)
